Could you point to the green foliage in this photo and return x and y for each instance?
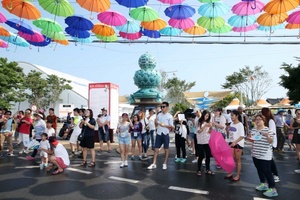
(179, 107)
(226, 100)
(291, 80)
(11, 84)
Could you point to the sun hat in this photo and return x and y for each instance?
(279, 111)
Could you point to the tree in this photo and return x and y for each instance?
(226, 100)
(291, 80)
(56, 86)
(11, 84)
(179, 107)
(251, 83)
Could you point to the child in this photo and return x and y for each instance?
(50, 130)
(180, 137)
(44, 144)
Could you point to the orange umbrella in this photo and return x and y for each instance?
(195, 30)
(103, 30)
(4, 32)
(94, 5)
(267, 19)
(22, 9)
(154, 25)
(63, 42)
(292, 26)
(281, 6)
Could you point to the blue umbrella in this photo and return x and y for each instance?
(241, 21)
(129, 27)
(151, 34)
(132, 3)
(77, 33)
(46, 42)
(20, 26)
(14, 39)
(170, 31)
(270, 28)
(79, 23)
(180, 11)
(215, 9)
(83, 40)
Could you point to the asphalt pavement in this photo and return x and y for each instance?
(22, 179)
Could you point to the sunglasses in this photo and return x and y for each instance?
(163, 106)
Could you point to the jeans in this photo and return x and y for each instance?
(263, 168)
(180, 145)
(152, 139)
(280, 138)
(203, 151)
(274, 168)
(145, 142)
(35, 150)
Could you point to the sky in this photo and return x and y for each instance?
(207, 64)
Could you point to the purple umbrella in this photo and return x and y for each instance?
(20, 26)
(180, 11)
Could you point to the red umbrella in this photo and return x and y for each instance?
(221, 151)
(131, 36)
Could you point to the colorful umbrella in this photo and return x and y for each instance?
(94, 5)
(181, 23)
(294, 18)
(57, 7)
(19, 25)
(44, 43)
(2, 18)
(248, 7)
(267, 19)
(151, 34)
(154, 25)
(62, 42)
(223, 29)
(211, 22)
(79, 23)
(245, 28)
(21, 8)
(3, 44)
(132, 3)
(83, 40)
(103, 29)
(241, 21)
(215, 9)
(208, 1)
(129, 27)
(292, 26)
(48, 25)
(195, 30)
(77, 33)
(131, 36)
(144, 14)
(270, 28)
(54, 35)
(36, 37)
(171, 2)
(180, 11)
(14, 39)
(280, 6)
(112, 18)
(170, 31)
(221, 151)
(4, 32)
(112, 38)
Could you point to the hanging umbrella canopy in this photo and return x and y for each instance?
(44, 43)
(83, 40)
(19, 25)
(241, 21)
(112, 38)
(14, 39)
(103, 30)
(280, 6)
(270, 28)
(144, 14)
(36, 37)
(3, 44)
(112, 18)
(54, 35)
(294, 18)
(245, 28)
(180, 11)
(4, 32)
(248, 7)
(170, 31)
(215, 9)
(57, 7)
(208, 1)
(47, 25)
(132, 3)
(131, 36)
(151, 33)
(129, 27)
(171, 2)
(223, 29)
(195, 30)
(94, 5)
(267, 19)
(154, 25)
(77, 33)
(64, 42)
(2, 18)
(21, 8)
(181, 23)
(292, 26)
(210, 22)
(78, 22)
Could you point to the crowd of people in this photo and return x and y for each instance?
(267, 133)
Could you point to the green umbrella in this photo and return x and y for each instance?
(54, 35)
(223, 29)
(48, 25)
(57, 7)
(208, 1)
(144, 13)
(211, 22)
(112, 38)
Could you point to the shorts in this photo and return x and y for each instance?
(124, 140)
(43, 154)
(73, 138)
(138, 137)
(191, 136)
(88, 142)
(61, 163)
(236, 146)
(162, 139)
(16, 134)
(103, 136)
(23, 138)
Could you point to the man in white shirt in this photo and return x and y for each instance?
(103, 123)
(164, 121)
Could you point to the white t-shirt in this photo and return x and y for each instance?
(39, 128)
(222, 121)
(144, 122)
(166, 119)
(50, 132)
(45, 145)
(61, 152)
(262, 149)
(151, 122)
(77, 129)
(272, 127)
(203, 137)
(236, 131)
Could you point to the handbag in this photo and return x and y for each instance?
(81, 135)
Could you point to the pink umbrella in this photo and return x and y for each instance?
(112, 18)
(171, 2)
(221, 151)
(131, 36)
(248, 8)
(3, 44)
(181, 23)
(294, 18)
(36, 37)
(2, 18)
(245, 29)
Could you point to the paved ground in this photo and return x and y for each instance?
(21, 179)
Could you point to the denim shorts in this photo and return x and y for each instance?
(103, 136)
(162, 139)
(138, 137)
(191, 135)
(124, 140)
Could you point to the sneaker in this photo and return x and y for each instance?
(177, 160)
(126, 163)
(46, 165)
(145, 155)
(10, 154)
(140, 157)
(195, 160)
(22, 151)
(26, 151)
(152, 166)
(276, 179)
(122, 165)
(262, 187)
(182, 160)
(271, 193)
(218, 166)
(132, 158)
(29, 158)
(72, 155)
(164, 167)
(41, 166)
(297, 171)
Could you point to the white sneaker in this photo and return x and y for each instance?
(195, 160)
(276, 179)
(22, 151)
(122, 165)
(41, 166)
(297, 171)
(126, 163)
(152, 166)
(165, 167)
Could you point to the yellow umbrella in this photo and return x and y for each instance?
(267, 19)
(280, 6)
(4, 32)
(103, 29)
(195, 30)
(154, 25)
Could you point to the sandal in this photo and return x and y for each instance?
(83, 163)
(57, 172)
(92, 164)
(228, 177)
(49, 168)
(199, 173)
(209, 172)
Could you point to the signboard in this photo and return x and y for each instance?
(64, 109)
